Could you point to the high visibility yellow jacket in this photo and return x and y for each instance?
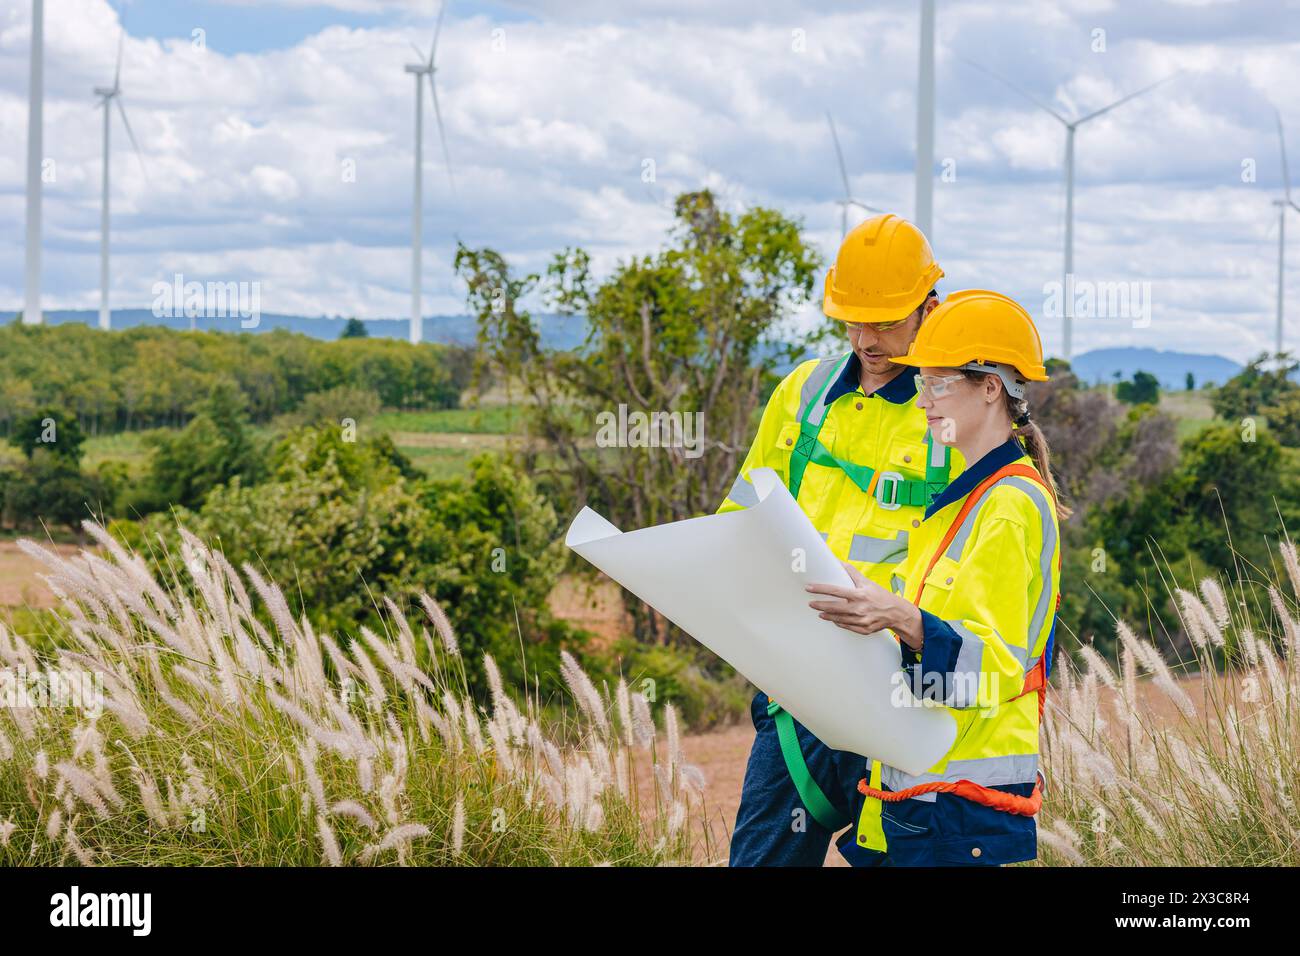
(988, 611)
(861, 437)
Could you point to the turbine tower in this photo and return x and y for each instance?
(1282, 205)
(924, 209)
(420, 70)
(848, 199)
(35, 93)
(107, 96)
(1070, 127)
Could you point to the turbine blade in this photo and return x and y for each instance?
(131, 136)
(417, 51)
(437, 30)
(844, 173)
(117, 75)
(1005, 82)
(864, 206)
(442, 133)
(1119, 102)
(1281, 140)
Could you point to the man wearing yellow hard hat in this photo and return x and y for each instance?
(974, 604)
(857, 456)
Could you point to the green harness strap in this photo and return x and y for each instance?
(895, 491)
(809, 792)
(906, 492)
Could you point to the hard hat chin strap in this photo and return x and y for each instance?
(1011, 380)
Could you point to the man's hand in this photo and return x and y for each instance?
(866, 608)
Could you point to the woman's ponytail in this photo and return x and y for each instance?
(1035, 442)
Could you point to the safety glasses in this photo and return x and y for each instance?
(937, 386)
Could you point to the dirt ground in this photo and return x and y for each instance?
(19, 584)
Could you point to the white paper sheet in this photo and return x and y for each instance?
(730, 582)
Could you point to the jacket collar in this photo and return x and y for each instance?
(898, 390)
(1008, 452)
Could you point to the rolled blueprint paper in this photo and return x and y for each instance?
(735, 582)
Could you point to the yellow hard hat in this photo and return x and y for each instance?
(978, 326)
(883, 272)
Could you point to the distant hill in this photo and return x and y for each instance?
(558, 331)
(1171, 368)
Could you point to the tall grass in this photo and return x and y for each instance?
(1149, 770)
(222, 740)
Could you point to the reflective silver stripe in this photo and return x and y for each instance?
(878, 550)
(743, 493)
(1021, 654)
(986, 771)
(967, 669)
(812, 388)
(936, 449)
(1039, 497)
(897, 584)
(825, 535)
(958, 543)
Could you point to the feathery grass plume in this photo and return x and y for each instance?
(441, 624)
(623, 704)
(498, 692)
(354, 810)
(150, 799)
(85, 786)
(1286, 547)
(84, 856)
(584, 691)
(386, 657)
(1218, 604)
(55, 824)
(676, 817)
(369, 672)
(1290, 628)
(458, 826)
(6, 831)
(315, 786)
(1097, 665)
(401, 835)
(1193, 620)
(643, 725)
(329, 843)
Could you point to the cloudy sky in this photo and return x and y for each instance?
(252, 114)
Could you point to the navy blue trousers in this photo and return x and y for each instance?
(773, 827)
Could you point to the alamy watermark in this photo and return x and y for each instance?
(208, 300)
(21, 688)
(624, 429)
(1087, 299)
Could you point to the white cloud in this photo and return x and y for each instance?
(550, 121)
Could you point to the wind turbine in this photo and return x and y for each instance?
(1070, 127)
(419, 71)
(848, 199)
(1282, 205)
(924, 209)
(35, 99)
(107, 96)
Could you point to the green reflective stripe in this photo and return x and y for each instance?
(811, 418)
(809, 792)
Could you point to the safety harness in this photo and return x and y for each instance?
(891, 490)
(1035, 680)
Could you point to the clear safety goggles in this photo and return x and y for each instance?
(936, 386)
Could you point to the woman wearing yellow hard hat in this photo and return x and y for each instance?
(973, 605)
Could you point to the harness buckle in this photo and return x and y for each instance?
(895, 481)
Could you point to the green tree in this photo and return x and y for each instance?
(1255, 388)
(1284, 418)
(354, 328)
(1189, 382)
(55, 431)
(215, 447)
(687, 330)
(1144, 389)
